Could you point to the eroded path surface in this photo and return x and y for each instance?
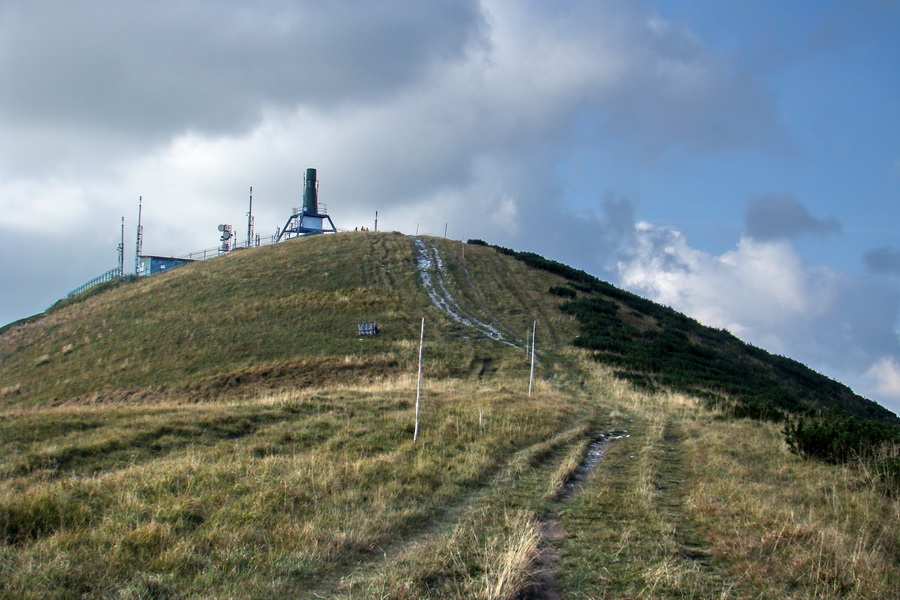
(544, 584)
(434, 279)
(510, 488)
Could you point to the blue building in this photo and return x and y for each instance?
(151, 265)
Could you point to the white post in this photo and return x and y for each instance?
(419, 380)
(531, 378)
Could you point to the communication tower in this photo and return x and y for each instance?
(225, 238)
(250, 221)
(307, 220)
(140, 238)
(122, 251)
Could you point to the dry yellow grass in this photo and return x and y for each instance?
(806, 529)
(269, 496)
(695, 505)
(280, 462)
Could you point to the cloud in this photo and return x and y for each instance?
(753, 290)
(883, 260)
(108, 74)
(886, 374)
(449, 112)
(28, 258)
(400, 99)
(782, 216)
(767, 294)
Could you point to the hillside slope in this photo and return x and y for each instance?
(281, 315)
(286, 315)
(222, 431)
(655, 346)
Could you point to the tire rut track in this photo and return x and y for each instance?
(335, 581)
(431, 269)
(544, 585)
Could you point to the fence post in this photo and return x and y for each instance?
(419, 380)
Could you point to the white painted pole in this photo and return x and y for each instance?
(419, 380)
(531, 378)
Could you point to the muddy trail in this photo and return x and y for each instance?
(340, 580)
(544, 584)
(434, 275)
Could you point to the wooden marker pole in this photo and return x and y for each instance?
(531, 378)
(419, 380)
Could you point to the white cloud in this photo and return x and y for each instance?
(459, 117)
(886, 375)
(749, 290)
(767, 294)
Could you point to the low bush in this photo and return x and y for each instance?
(837, 437)
(563, 292)
(655, 347)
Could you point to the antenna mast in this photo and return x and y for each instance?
(140, 237)
(250, 220)
(122, 251)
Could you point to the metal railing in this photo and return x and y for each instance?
(217, 251)
(108, 276)
(196, 255)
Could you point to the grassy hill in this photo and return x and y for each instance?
(222, 431)
(261, 319)
(657, 347)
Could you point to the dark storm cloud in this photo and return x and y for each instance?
(435, 106)
(782, 216)
(591, 240)
(163, 67)
(884, 260)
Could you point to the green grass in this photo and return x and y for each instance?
(264, 319)
(659, 348)
(259, 498)
(279, 304)
(696, 505)
(220, 431)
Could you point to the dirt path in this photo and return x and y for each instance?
(434, 279)
(339, 581)
(544, 585)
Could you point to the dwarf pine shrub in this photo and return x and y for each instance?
(837, 437)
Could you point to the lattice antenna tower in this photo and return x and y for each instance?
(140, 237)
(122, 251)
(250, 220)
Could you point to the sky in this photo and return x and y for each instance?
(737, 161)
